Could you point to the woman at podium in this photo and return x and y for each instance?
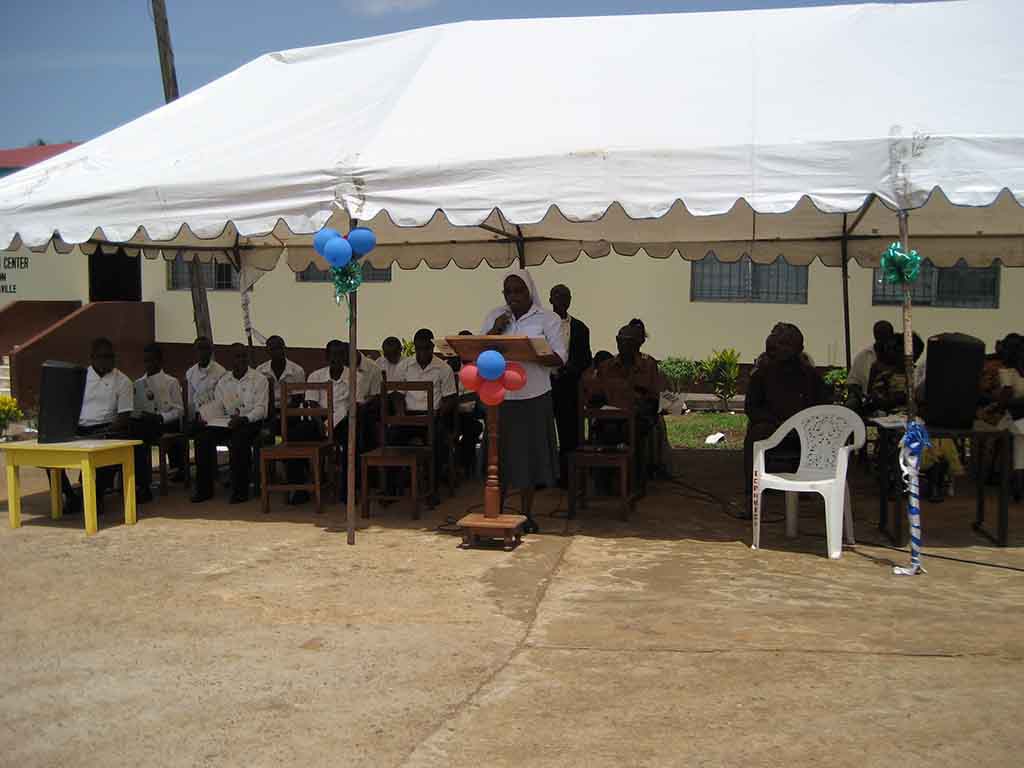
(528, 449)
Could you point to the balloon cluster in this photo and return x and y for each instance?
(492, 376)
(342, 254)
(900, 267)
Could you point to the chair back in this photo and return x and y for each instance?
(823, 430)
(289, 411)
(588, 417)
(389, 419)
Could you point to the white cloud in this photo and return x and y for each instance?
(382, 7)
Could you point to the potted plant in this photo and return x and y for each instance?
(9, 413)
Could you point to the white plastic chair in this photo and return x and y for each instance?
(824, 455)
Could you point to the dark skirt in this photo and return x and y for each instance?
(529, 451)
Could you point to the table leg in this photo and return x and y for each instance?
(883, 481)
(128, 486)
(1006, 450)
(56, 505)
(979, 481)
(89, 495)
(13, 494)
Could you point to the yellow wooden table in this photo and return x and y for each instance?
(87, 455)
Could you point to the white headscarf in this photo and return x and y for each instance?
(527, 279)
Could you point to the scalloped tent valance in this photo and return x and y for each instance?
(761, 133)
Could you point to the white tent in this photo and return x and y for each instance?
(740, 132)
(798, 132)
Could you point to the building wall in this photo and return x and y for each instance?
(607, 293)
(51, 276)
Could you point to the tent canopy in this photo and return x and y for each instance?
(757, 132)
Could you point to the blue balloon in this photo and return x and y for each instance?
(491, 365)
(324, 236)
(338, 252)
(362, 241)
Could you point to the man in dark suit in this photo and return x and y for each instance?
(565, 382)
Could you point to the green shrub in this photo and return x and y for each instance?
(721, 372)
(836, 378)
(681, 372)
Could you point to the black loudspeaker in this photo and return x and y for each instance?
(61, 389)
(953, 373)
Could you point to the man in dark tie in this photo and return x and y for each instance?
(565, 382)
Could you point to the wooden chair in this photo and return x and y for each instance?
(316, 452)
(168, 441)
(411, 457)
(591, 455)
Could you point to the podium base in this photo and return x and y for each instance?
(508, 528)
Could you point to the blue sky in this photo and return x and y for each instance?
(72, 70)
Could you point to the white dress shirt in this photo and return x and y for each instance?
(566, 330)
(246, 396)
(437, 372)
(860, 369)
(293, 374)
(391, 370)
(105, 397)
(367, 386)
(159, 394)
(535, 323)
(201, 384)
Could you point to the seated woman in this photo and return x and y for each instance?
(887, 383)
(782, 385)
(1002, 397)
(658, 450)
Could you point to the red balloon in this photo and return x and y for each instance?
(492, 392)
(470, 377)
(518, 367)
(513, 380)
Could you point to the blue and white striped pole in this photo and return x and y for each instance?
(914, 441)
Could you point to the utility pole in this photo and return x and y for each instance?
(200, 305)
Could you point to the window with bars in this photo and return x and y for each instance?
(216, 277)
(745, 281)
(371, 274)
(960, 287)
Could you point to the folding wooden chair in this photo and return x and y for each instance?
(592, 455)
(411, 457)
(317, 452)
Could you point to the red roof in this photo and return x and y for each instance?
(23, 157)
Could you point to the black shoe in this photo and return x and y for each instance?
(295, 498)
(199, 497)
(530, 526)
(238, 498)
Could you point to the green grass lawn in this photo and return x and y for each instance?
(689, 431)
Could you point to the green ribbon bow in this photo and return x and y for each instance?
(899, 266)
(346, 280)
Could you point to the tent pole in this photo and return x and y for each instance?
(521, 247)
(908, 333)
(353, 412)
(846, 296)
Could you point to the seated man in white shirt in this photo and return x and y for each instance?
(234, 417)
(424, 366)
(159, 407)
(391, 358)
(368, 384)
(280, 370)
(202, 377)
(106, 413)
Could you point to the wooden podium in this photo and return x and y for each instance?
(493, 523)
